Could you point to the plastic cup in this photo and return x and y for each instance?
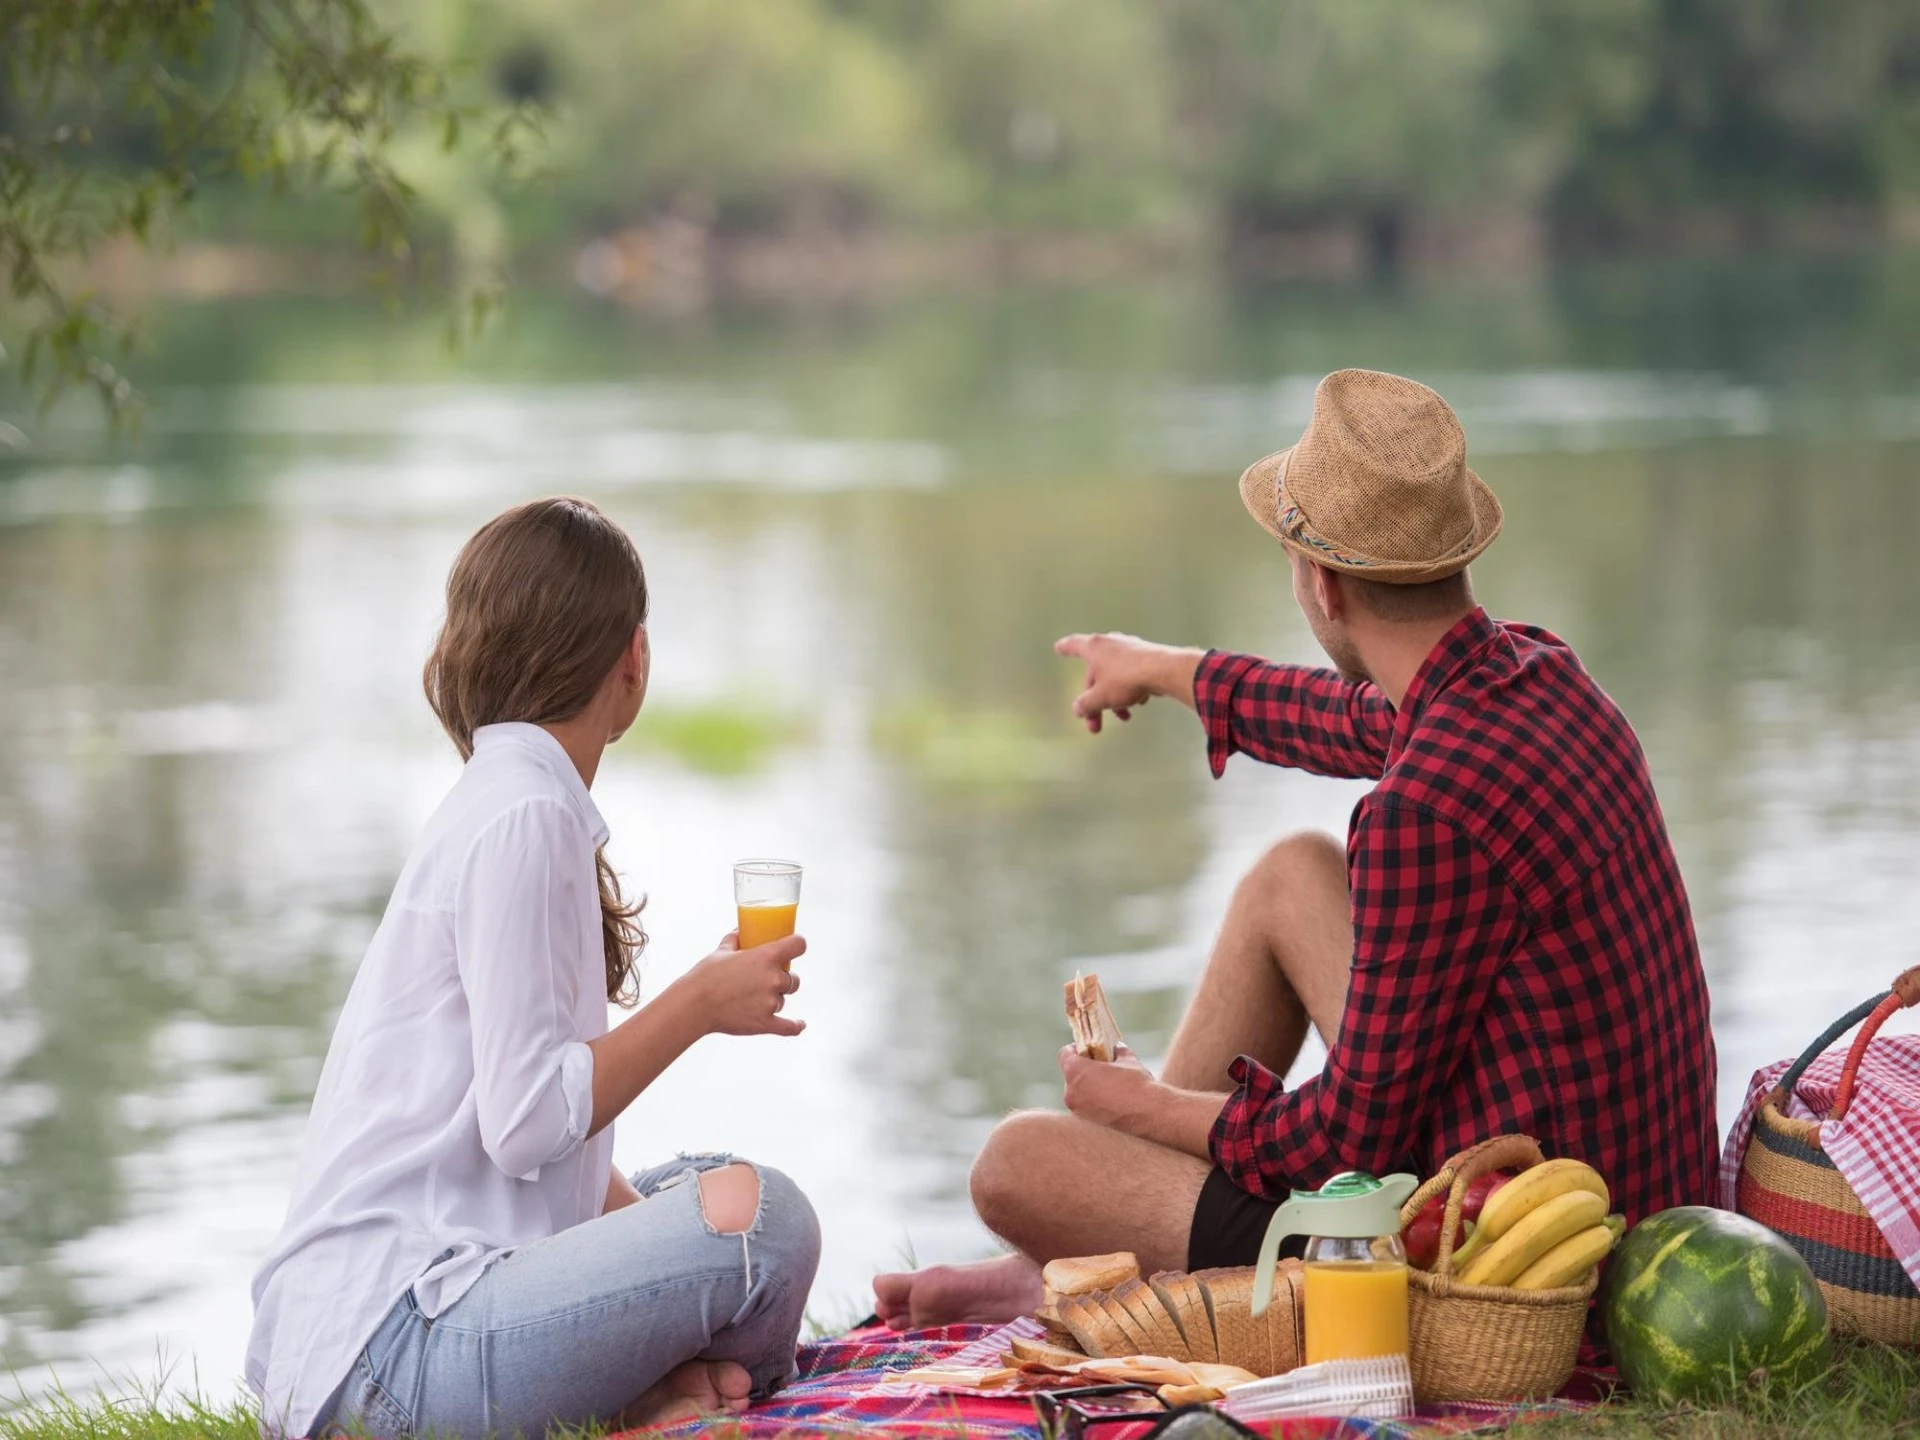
(766, 894)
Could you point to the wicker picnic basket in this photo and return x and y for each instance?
(1789, 1185)
(1482, 1342)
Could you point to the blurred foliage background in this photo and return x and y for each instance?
(821, 146)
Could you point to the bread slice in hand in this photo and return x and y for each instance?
(1180, 1294)
(1095, 1033)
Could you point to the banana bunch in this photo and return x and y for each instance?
(1543, 1229)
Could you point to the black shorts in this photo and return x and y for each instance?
(1229, 1224)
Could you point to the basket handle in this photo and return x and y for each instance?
(1505, 1152)
(1903, 993)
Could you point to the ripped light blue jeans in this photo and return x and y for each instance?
(576, 1327)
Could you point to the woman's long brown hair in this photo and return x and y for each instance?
(541, 603)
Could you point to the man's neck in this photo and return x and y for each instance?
(1393, 654)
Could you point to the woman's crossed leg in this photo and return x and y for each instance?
(687, 1300)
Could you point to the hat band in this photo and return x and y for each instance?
(1293, 526)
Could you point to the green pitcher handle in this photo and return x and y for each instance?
(1394, 1190)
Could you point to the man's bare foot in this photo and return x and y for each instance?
(696, 1389)
(985, 1292)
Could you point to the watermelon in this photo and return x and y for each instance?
(1701, 1303)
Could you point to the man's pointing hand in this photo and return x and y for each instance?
(1124, 672)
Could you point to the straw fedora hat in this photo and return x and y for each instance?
(1378, 484)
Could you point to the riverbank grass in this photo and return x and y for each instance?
(1873, 1393)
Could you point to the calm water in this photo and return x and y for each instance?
(863, 534)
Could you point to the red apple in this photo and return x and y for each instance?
(1422, 1233)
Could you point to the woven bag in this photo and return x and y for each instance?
(1486, 1342)
(1789, 1185)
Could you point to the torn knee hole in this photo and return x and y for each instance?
(730, 1198)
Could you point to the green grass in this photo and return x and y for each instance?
(1872, 1392)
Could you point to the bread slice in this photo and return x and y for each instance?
(1180, 1293)
(1082, 1274)
(1096, 1035)
(1140, 1340)
(1145, 1307)
(1093, 1330)
(1286, 1338)
(1040, 1352)
(1229, 1297)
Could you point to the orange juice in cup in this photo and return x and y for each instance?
(766, 894)
(1356, 1309)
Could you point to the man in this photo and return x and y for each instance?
(1503, 946)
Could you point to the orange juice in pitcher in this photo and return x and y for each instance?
(1356, 1267)
(1356, 1309)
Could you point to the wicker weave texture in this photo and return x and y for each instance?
(1788, 1184)
(1484, 1342)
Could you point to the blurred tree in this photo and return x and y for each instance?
(1381, 112)
(1751, 108)
(113, 113)
(729, 114)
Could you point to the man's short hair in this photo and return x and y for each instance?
(1402, 604)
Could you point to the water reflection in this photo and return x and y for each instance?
(864, 535)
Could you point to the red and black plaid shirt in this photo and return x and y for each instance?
(1523, 956)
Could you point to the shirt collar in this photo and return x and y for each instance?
(1449, 656)
(548, 753)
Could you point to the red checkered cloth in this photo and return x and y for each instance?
(1876, 1146)
(844, 1388)
(1524, 961)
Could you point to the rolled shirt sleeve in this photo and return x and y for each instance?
(519, 947)
(1433, 923)
(1294, 715)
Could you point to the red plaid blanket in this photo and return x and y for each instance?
(1876, 1146)
(842, 1389)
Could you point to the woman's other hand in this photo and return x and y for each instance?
(744, 991)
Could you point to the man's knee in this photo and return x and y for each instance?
(1305, 858)
(1013, 1157)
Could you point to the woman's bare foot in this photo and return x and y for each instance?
(985, 1292)
(696, 1389)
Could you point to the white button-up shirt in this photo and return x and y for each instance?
(450, 1124)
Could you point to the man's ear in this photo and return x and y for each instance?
(1331, 594)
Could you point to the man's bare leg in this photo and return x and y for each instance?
(1281, 962)
(1052, 1185)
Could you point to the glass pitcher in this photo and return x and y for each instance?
(1356, 1267)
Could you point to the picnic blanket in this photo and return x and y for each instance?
(1876, 1146)
(843, 1388)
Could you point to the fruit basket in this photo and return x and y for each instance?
(1487, 1342)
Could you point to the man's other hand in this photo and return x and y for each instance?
(1117, 1093)
(1124, 672)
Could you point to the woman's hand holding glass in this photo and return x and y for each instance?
(742, 992)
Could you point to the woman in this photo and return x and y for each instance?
(460, 1255)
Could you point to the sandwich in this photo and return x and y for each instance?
(1095, 1035)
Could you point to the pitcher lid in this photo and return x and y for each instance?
(1352, 1205)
